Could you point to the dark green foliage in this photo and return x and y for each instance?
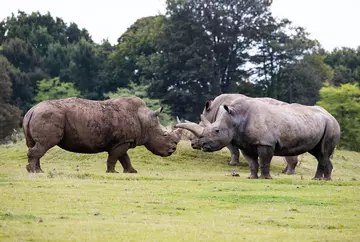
(301, 81)
(9, 114)
(135, 50)
(21, 54)
(346, 65)
(84, 67)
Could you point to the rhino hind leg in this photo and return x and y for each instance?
(34, 155)
(111, 163)
(266, 154)
(324, 167)
(291, 162)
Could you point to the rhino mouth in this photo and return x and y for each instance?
(210, 148)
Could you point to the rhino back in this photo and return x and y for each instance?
(88, 126)
(289, 127)
(220, 100)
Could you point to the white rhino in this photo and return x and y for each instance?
(87, 126)
(211, 111)
(262, 130)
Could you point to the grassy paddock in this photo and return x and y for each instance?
(185, 197)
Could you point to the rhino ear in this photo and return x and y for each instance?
(228, 109)
(207, 105)
(158, 111)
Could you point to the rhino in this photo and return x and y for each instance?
(210, 111)
(88, 126)
(262, 130)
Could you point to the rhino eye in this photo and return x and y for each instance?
(217, 130)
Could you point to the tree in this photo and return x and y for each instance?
(279, 45)
(343, 103)
(346, 65)
(9, 114)
(24, 72)
(203, 48)
(84, 68)
(49, 89)
(21, 54)
(135, 48)
(301, 81)
(141, 92)
(57, 61)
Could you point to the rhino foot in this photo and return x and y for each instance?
(327, 178)
(111, 171)
(39, 171)
(265, 177)
(253, 177)
(285, 170)
(234, 163)
(29, 169)
(317, 178)
(290, 172)
(130, 170)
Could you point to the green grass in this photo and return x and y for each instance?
(185, 197)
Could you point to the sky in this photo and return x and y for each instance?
(332, 22)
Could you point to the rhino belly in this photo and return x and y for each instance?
(85, 140)
(296, 146)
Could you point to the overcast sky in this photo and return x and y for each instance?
(333, 22)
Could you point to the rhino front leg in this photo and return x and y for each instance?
(266, 154)
(234, 160)
(126, 164)
(253, 164)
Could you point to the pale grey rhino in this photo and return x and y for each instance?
(210, 111)
(262, 130)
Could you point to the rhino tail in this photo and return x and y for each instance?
(26, 123)
(328, 143)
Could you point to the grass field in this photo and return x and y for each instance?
(185, 197)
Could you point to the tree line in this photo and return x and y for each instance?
(197, 50)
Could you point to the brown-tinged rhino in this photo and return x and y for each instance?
(88, 126)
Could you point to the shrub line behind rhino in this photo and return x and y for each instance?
(88, 126)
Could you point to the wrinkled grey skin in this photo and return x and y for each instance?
(87, 126)
(211, 112)
(262, 130)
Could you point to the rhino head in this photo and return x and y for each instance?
(159, 141)
(212, 136)
(207, 112)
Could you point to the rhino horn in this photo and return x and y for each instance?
(204, 120)
(193, 127)
(178, 120)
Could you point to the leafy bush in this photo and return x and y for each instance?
(141, 92)
(343, 103)
(54, 89)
